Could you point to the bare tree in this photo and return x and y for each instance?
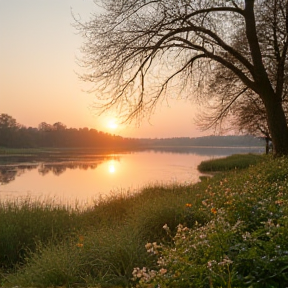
(241, 109)
(250, 117)
(141, 50)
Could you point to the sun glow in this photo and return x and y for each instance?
(112, 169)
(112, 124)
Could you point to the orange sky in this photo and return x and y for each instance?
(38, 81)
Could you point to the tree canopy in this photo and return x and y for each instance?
(140, 51)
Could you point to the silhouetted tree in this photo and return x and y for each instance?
(141, 49)
(43, 126)
(8, 127)
(58, 126)
(248, 113)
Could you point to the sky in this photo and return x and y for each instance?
(38, 73)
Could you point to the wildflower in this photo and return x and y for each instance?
(213, 210)
(166, 228)
(179, 227)
(152, 247)
(279, 202)
(137, 273)
(226, 261)
(246, 236)
(163, 271)
(211, 263)
(80, 245)
(161, 261)
(188, 205)
(148, 246)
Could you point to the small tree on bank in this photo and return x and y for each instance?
(140, 50)
(250, 118)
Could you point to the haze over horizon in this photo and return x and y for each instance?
(38, 73)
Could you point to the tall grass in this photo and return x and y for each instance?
(237, 161)
(24, 222)
(102, 245)
(33, 232)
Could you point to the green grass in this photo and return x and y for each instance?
(237, 161)
(237, 235)
(25, 222)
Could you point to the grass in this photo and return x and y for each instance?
(236, 235)
(237, 161)
(25, 222)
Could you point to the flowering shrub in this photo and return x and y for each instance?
(244, 244)
(199, 257)
(220, 255)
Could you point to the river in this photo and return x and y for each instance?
(84, 181)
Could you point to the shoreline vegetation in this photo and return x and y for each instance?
(230, 230)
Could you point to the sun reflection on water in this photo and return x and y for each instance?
(111, 167)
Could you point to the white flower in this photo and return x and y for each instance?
(225, 261)
(166, 228)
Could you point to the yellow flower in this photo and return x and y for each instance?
(213, 210)
(188, 205)
(80, 245)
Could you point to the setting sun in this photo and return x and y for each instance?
(112, 124)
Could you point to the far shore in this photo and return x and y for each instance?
(10, 156)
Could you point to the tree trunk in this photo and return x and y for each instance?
(275, 115)
(277, 125)
(267, 146)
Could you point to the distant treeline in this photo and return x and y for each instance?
(15, 135)
(210, 141)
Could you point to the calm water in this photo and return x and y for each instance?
(85, 181)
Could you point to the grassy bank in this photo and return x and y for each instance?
(234, 233)
(237, 161)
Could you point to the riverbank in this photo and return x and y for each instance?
(236, 235)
